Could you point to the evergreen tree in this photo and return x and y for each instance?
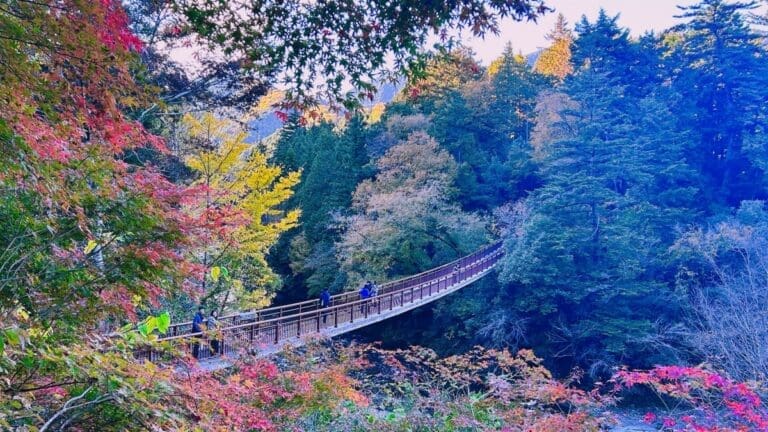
(722, 75)
(513, 98)
(607, 48)
(486, 126)
(581, 260)
(602, 45)
(332, 165)
(455, 126)
(508, 121)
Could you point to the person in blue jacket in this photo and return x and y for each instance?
(365, 292)
(325, 302)
(197, 327)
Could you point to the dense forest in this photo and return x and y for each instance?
(625, 177)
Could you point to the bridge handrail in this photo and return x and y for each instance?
(314, 304)
(306, 322)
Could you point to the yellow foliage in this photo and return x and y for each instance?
(374, 116)
(496, 65)
(249, 299)
(556, 60)
(241, 177)
(268, 101)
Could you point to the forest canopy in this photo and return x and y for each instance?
(625, 177)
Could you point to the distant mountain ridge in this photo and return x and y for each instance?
(269, 123)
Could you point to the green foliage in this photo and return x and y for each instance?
(580, 253)
(240, 199)
(721, 74)
(332, 164)
(486, 125)
(404, 221)
(329, 44)
(152, 323)
(592, 163)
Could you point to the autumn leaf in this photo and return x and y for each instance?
(215, 273)
(90, 246)
(163, 322)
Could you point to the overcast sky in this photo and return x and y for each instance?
(638, 15)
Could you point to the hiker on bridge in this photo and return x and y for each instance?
(456, 269)
(374, 290)
(365, 293)
(214, 326)
(198, 324)
(325, 302)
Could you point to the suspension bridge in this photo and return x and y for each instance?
(266, 331)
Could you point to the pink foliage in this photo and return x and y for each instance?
(43, 139)
(115, 32)
(717, 403)
(121, 298)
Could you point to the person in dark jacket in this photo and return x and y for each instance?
(455, 273)
(325, 302)
(214, 324)
(197, 327)
(373, 291)
(365, 293)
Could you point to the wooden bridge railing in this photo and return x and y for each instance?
(265, 327)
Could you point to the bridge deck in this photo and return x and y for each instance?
(267, 331)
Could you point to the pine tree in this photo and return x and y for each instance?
(602, 45)
(332, 165)
(607, 48)
(723, 77)
(486, 127)
(580, 262)
(508, 121)
(513, 97)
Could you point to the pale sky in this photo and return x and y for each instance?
(638, 15)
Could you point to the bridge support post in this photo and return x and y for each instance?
(335, 317)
